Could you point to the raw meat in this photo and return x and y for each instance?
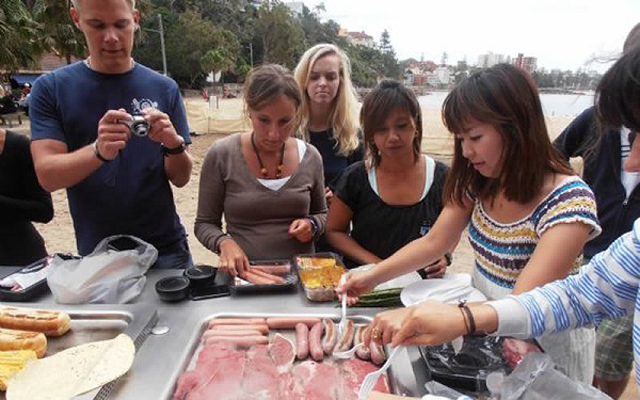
(261, 376)
(515, 350)
(353, 372)
(282, 353)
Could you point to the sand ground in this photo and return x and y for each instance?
(437, 142)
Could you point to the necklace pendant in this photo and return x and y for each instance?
(263, 171)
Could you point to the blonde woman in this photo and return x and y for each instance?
(329, 108)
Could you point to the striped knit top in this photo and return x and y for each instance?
(606, 288)
(502, 250)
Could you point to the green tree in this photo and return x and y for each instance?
(188, 38)
(59, 34)
(19, 33)
(283, 40)
(314, 30)
(391, 67)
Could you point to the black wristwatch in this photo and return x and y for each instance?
(176, 150)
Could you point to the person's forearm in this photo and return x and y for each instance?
(61, 171)
(347, 246)
(208, 234)
(178, 168)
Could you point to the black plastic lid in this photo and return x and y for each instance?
(172, 284)
(200, 272)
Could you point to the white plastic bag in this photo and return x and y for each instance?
(114, 273)
(536, 378)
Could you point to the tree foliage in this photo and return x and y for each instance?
(19, 46)
(58, 33)
(283, 40)
(201, 36)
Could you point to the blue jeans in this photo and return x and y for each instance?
(178, 257)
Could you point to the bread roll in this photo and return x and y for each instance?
(12, 339)
(49, 322)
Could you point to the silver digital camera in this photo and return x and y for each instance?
(138, 125)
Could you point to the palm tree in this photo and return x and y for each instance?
(59, 34)
(19, 44)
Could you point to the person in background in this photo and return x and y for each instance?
(267, 184)
(606, 288)
(24, 98)
(396, 196)
(7, 105)
(22, 201)
(618, 200)
(117, 182)
(329, 119)
(527, 214)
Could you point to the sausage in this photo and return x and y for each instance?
(302, 341)
(377, 353)
(362, 352)
(266, 275)
(256, 279)
(290, 323)
(236, 321)
(330, 336)
(346, 339)
(241, 341)
(315, 345)
(262, 328)
(225, 332)
(273, 269)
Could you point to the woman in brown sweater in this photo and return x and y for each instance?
(268, 185)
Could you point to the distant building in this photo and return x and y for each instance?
(490, 59)
(357, 38)
(296, 7)
(528, 64)
(441, 77)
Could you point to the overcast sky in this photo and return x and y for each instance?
(563, 34)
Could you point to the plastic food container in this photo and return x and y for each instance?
(35, 274)
(319, 274)
(281, 271)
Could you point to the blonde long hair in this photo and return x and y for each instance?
(344, 118)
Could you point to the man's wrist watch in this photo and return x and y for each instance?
(166, 151)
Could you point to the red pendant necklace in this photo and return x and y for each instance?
(263, 169)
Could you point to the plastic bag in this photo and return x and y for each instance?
(536, 378)
(114, 273)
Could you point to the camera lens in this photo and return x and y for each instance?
(140, 128)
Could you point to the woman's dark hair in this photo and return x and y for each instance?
(386, 97)
(618, 93)
(506, 98)
(268, 82)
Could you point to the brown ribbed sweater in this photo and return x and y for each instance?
(257, 218)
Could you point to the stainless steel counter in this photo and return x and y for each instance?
(162, 357)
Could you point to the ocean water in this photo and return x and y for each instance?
(569, 105)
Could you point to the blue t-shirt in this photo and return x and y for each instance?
(131, 194)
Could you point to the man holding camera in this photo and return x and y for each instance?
(114, 133)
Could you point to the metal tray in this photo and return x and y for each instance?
(89, 325)
(401, 377)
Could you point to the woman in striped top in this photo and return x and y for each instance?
(528, 215)
(606, 288)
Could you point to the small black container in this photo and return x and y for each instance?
(173, 288)
(201, 275)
